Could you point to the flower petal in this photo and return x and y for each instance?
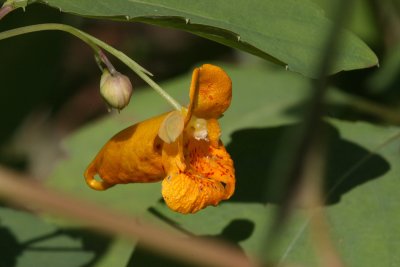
(210, 92)
(189, 193)
(211, 162)
(131, 156)
(198, 174)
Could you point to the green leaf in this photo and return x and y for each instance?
(290, 32)
(362, 167)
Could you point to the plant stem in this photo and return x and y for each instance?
(107, 62)
(311, 137)
(5, 10)
(95, 44)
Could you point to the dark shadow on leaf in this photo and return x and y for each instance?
(11, 248)
(236, 231)
(254, 152)
(167, 220)
(349, 110)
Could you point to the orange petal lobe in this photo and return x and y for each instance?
(198, 175)
(210, 91)
(212, 162)
(189, 193)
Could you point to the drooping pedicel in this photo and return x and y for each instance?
(181, 148)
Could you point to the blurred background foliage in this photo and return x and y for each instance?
(53, 121)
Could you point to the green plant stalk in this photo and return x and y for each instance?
(11, 5)
(95, 44)
(5, 10)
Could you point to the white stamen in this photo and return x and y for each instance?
(200, 129)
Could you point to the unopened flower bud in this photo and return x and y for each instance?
(116, 89)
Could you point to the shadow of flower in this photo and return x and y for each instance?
(255, 153)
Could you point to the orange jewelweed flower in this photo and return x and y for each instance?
(181, 148)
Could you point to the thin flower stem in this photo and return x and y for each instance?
(107, 62)
(95, 44)
(5, 10)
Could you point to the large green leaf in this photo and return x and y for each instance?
(362, 166)
(289, 32)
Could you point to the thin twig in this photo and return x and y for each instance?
(5, 10)
(310, 196)
(22, 190)
(311, 140)
(312, 126)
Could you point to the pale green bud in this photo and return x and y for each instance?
(116, 89)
